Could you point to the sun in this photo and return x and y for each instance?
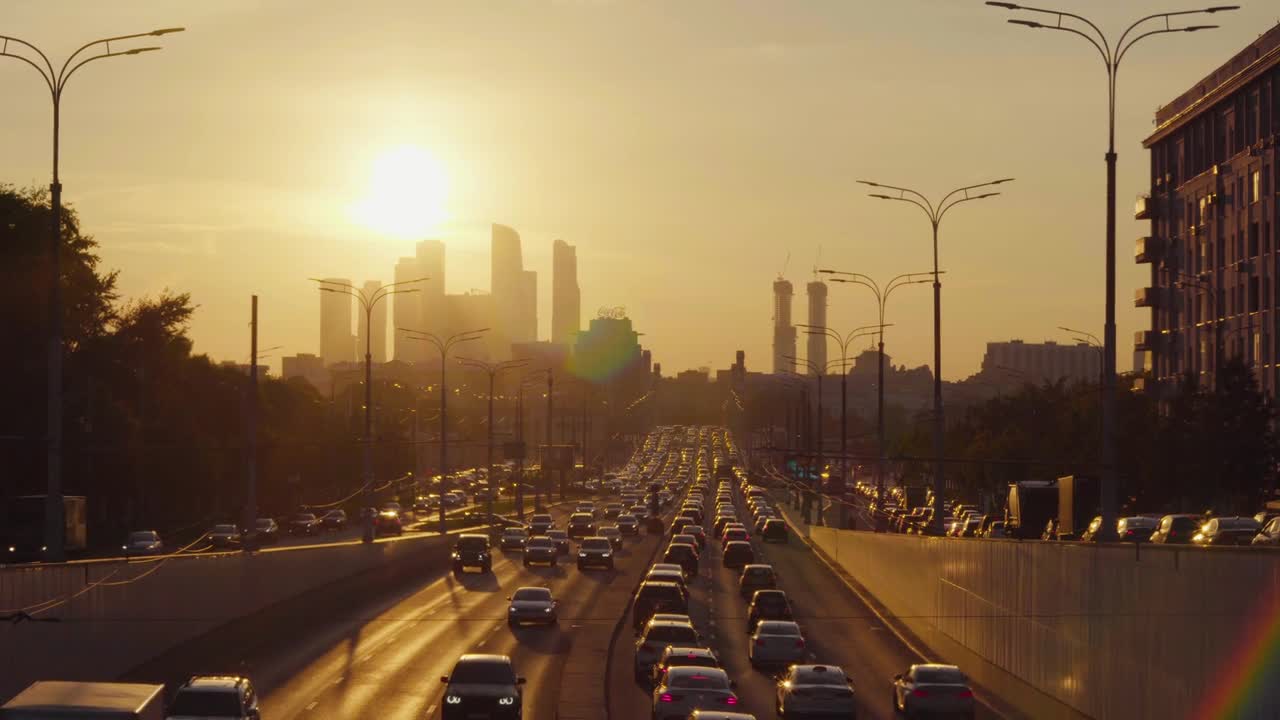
(407, 194)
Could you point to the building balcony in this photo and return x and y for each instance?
(1148, 249)
(1146, 340)
(1149, 297)
(1144, 208)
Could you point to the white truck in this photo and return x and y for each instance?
(62, 700)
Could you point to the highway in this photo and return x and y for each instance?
(838, 628)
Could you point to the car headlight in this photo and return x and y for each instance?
(546, 610)
(453, 699)
(511, 609)
(507, 701)
(582, 554)
(604, 554)
(456, 556)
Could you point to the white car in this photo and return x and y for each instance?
(776, 643)
(532, 605)
(686, 689)
(655, 637)
(815, 690)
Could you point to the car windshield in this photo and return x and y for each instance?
(580, 518)
(699, 679)
(655, 593)
(541, 519)
(608, 531)
(939, 676)
(779, 628)
(516, 532)
(263, 523)
(1184, 523)
(473, 543)
(596, 544)
(532, 594)
(142, 536)
(671, 634)
(201, 703)
(557, 534)
(304, 517)
(489, 672)
(541, 544)
(224, 529)
(685, 660)
(819, 676)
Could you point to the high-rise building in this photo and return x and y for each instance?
(430, 295)
(1043, 362)
(527, 319)
(306, 366)
(816, 352)
(1213, 249)
(337, 345)
(506, 284)
(377, 342)
(406, 312)
(566, 296)
(784, 333)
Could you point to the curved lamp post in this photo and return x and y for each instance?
(493, 370)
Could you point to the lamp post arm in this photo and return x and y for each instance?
(48, 77)
(927, 205)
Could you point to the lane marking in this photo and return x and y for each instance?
(312, 705)
(431, 709)
(339, 679)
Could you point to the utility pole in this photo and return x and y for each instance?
(249, 536)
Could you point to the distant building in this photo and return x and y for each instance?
(506, 284)
(471, 311)
(1043, 362)
(608, 349)
(566, 296)
(527, 306)
(406, 312)
(784, 333)
(306, 366)
(430, 295)
(377, 340)
(816, 351)
(337, 344)
(1214, 292)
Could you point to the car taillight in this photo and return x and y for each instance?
(800, 643)
(920, 692)
(731, 700)
(966, 693)
(759, 642)
(668, 697)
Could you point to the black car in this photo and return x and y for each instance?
(581, 524)
(540, 549)
(657, 597)
(266, 531)
(472, 551)
(737, 554)
(539, 524)
(482, 686)
(775, 530)
(767, 605)
(595, 552)
(334, 520)
(303, 524)
(561, 539)
(686, 556)
(628, 524)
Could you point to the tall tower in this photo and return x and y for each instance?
(406, 309)
(566, 296)
(817, 344)
(507, 286)
(784, 333)
(378, 338)
(336, 343)
(527, 318)
(430, 295)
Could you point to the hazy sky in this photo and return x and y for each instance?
(684, 146)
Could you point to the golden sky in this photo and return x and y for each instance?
(684, 146)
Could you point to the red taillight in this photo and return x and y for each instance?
(668, 697)
(966, 693)
(800, 643)
(760, 642)
(920, 692)
(731, 700)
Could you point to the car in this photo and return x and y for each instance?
(733, 534)
(1176, 529)
(1226, 531)
(613, 509)
(654, 639)
(472, 551)
(586, 506)
(613, 534)
(595, 551)
(996, 531)
(681, 656)
(423, 503)
(334, 520)
(932, 689)
(581, 524)
(304, 523)
(1269, 534)
(774, 530)
(815, 691)
(684, 555)
(513, 538)
(721, 521)
(215, 697)
(561, 539)
(1137, 528)
(654, 597)
(672, 576)
(266, 531)
(388, 523)
(628, 524)
(143, 542)
(775, 643)
(482, 686)
(767, 605)
(394, 507)
(540, 523)
(756, 576)
(540, 550)
(224, 536)
(686, 690)
(532, 605)
(737, 554)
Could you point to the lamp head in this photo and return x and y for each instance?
(139, 51)
(1026, 23)
(1005, 5)
(1221, 8)
(1194, 28)
(167, 31)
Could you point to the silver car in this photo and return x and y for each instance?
(532, 605)
(815, 690)
(686, 689)
(655, 638)
(776, 643)
(932, 689)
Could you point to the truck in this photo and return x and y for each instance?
(22, 527)
(1078, 503)
(61, 700)
(1031, 504)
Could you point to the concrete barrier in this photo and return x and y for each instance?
(1120, 631)
(113, 616)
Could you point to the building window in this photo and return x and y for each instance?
(1257, 348)
(1253, 239)
(1253, 294)
(1204, 207)
(1255, 189)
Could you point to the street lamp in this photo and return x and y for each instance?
(367, 304)
(1111, 57)
(56, 83)
(936, 213)
(525, 382)
(443, 346)
(492, 370)
(882, 303)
